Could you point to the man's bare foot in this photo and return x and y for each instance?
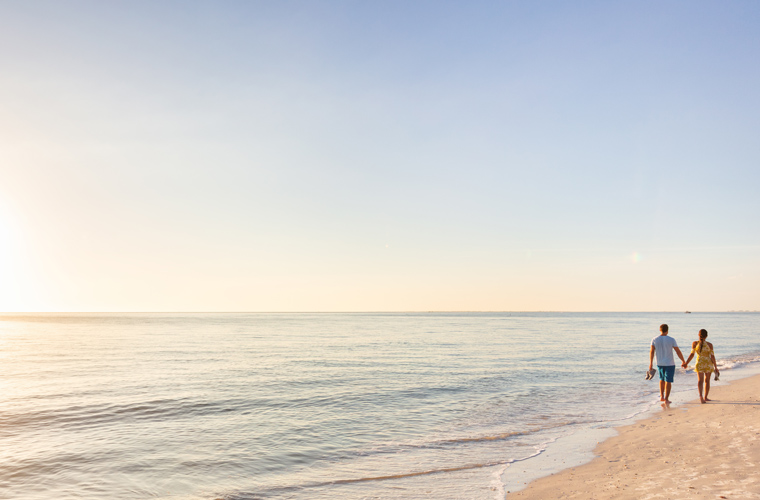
(662, 398)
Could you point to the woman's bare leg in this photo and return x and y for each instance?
(707, 385)
(699, 386)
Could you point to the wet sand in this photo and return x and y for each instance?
(690, 451)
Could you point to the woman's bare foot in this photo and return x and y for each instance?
(708, 399)
(702, 400)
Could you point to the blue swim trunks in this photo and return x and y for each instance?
(666, 372)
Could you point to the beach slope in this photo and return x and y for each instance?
(691, 451)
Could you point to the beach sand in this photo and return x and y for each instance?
(688, 451)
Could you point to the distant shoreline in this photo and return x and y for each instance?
(20, 313)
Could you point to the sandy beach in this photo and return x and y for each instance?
(690, 451)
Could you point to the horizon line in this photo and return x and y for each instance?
(372, 312)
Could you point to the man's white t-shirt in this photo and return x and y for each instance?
(663, 349)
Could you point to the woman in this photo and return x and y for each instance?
(705, 364)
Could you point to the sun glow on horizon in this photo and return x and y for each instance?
(8, 265)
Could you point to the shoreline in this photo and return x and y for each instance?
(686, 450)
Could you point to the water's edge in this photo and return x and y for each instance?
(577, 448)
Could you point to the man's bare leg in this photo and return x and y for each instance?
(662, 390)
(668, 386)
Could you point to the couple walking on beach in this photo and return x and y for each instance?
(663, 346)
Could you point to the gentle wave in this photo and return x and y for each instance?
(738, 361)
(100, 415)
(298, 487)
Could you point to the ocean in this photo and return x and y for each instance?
(327, 406)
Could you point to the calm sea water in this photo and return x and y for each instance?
(324, 406)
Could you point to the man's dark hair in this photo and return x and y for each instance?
(664, 328)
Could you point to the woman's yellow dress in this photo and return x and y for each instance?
(704, 359)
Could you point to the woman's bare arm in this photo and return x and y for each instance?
(712, 358)
(691, 355)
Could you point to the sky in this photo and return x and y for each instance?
(379, 156)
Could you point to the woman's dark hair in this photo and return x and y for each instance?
(702, 337)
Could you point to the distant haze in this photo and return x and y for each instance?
(377, 156)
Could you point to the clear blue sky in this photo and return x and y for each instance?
(339, 156)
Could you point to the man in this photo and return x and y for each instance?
(666, 365)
